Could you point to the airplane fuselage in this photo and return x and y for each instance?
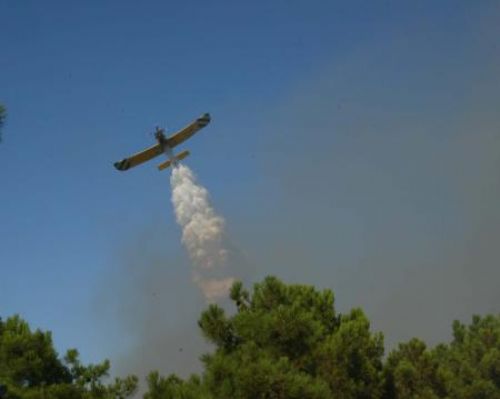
(163, 142)
(160, 137)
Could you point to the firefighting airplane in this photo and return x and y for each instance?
(165, 145)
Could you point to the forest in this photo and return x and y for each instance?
(278, 341)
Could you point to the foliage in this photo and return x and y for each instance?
(174, 387)
(287, 341)
(282, 341)
(31, 369)
(469, 367)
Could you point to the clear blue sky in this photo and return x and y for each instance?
(336, 125)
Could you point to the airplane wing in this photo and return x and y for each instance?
(188, 131)
(139, 158)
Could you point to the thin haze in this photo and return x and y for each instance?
(396, 182)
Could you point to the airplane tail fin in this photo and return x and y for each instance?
(177, 157)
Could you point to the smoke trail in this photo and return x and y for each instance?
(202, 233)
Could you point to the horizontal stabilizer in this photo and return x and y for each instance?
(178, 157)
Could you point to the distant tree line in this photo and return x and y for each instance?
(283, 341)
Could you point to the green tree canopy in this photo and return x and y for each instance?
(469, 367)
(287, 341)
(30, 368)
(284, 341)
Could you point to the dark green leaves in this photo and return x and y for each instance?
(31, 368)
(287, 341)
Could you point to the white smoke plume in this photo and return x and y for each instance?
(202, 233)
